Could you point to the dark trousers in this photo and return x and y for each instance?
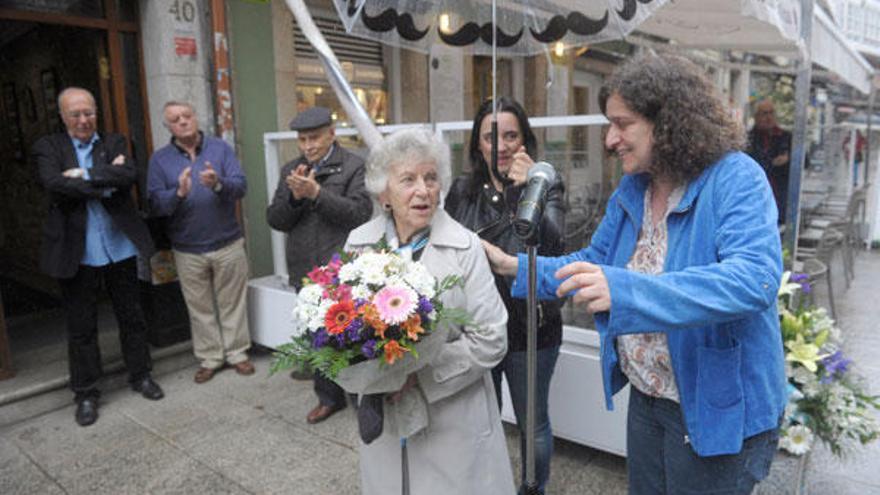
(80, 298)
(328, 392)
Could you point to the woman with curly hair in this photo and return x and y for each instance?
(681, 277)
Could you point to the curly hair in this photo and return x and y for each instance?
(479, 174)
(693, 127)
(407, 146)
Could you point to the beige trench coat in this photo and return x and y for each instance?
(463, 450)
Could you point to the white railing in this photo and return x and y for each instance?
(272, 142)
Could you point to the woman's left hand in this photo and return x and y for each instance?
(519, 169)
(411, 381)
(588, 283)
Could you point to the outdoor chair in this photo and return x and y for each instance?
(823, 253)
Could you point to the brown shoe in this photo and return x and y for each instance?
(322, 412)
(203, 375)
(244, 368)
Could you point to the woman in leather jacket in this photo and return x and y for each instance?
(485, 201)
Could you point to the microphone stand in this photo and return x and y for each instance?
(531, 485)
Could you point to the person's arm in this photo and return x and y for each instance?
(480, 346)
(111, 165)
(596, 252)
(744, 279)
(350, 209)
(50, 165)
(161, 190)
(232, 183)
(284, 212)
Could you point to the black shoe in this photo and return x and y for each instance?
(87, 411)
(148, 388)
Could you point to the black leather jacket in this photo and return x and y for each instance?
(490, 215)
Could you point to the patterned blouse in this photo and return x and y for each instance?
(644, 357)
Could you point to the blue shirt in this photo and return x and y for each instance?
(105, 243)
(204, 220)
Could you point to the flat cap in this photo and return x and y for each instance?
(312, 118)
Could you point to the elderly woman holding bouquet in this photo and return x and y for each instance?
(461, 449)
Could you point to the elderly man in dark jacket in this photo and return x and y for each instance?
(93, 234)
(320, 197)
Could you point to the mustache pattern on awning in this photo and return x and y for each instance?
(472, 32)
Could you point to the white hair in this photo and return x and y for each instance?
(404, 147)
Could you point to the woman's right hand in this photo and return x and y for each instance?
(500, 262)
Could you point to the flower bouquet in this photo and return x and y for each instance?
(826, 398)
(370, 319)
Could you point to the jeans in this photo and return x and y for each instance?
(660, 458)
(514, 367)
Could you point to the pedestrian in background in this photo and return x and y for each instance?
(92, 235)
(195, 181)
(320, 198)
(485, 201)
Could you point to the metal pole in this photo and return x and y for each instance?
(799, 133)
(867, 157)
(531, 367)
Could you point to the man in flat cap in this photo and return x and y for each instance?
(320, 198)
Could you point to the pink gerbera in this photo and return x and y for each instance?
(394, 304)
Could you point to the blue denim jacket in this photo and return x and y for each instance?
(716, 299)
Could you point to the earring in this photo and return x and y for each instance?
(386, 206)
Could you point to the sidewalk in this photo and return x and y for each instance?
(238, 434)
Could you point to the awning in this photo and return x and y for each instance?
(832, 50)
(759, 27)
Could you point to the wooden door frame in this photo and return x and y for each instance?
(112, 28)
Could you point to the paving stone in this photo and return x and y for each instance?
(21, 476)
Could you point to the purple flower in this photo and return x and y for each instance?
(369, 349)
(320, 338)
(352, 331)
(425, 305)
(835, 366)
(803, 279)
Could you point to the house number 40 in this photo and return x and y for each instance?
(183, 10)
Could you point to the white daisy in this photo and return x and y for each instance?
(797, 440)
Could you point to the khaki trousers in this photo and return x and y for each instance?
(220, 274)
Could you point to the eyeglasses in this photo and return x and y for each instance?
(85, 113)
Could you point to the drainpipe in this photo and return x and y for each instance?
(222, 82)
(223, 87)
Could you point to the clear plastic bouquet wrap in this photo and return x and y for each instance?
(371, 319)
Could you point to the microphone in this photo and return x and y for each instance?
(531, 204)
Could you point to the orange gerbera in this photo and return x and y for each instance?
(371, 317)
(393, 351)
(339, 316)
(413, 327)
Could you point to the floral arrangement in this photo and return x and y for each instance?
(826, 398)
(374, 305)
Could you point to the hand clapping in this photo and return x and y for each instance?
(302, 184)
(184, 182)
(208, 177)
